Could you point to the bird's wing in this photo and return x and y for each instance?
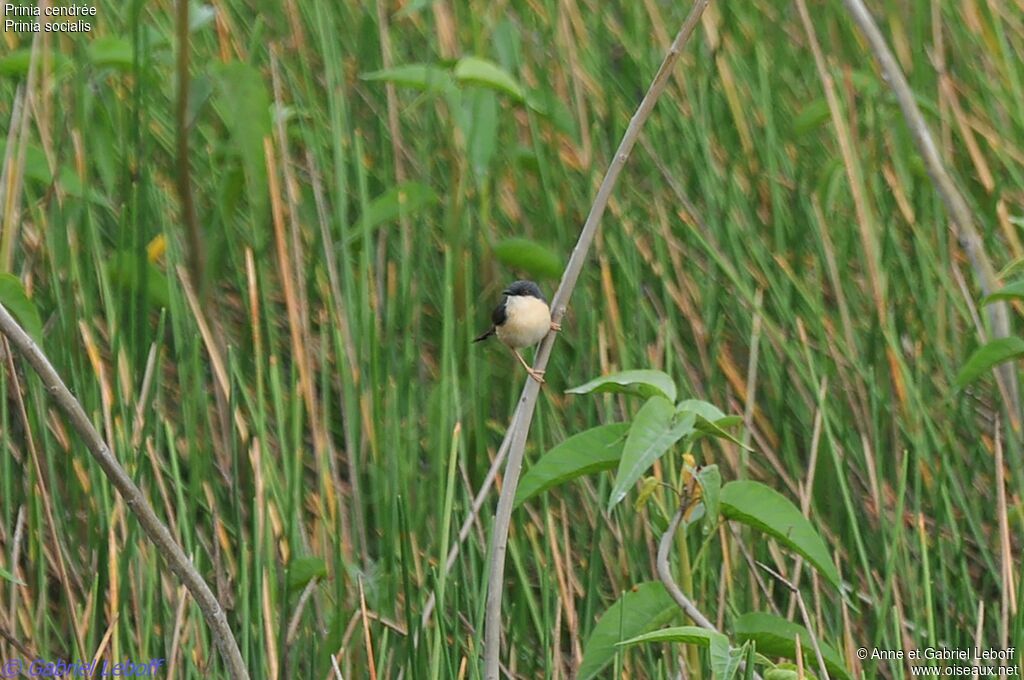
(499, 314)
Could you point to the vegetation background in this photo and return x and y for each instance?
(293, 410)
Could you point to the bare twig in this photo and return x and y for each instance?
(528, 400)
(157, 532)
(956, 205)
(665, 573)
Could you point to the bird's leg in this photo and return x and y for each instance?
(535, 374)
(555, 326)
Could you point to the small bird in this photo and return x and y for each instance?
(521, 320)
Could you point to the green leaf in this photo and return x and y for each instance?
(710, 480)
(1014, 291)
(302, 570)
(988, 356)
(243, 103)
(645, 383)
(691, 635)
(655, 429)
(480, 121)
(487, 74)
(8, 576)
(711, 421)
(725, 661)
(424, 77)
(17, 302)
(646, 607)
(528, 256)
(402, 199)
(703, 409)
(765, 509)
(776, 636)
(16, 63)
(112, 51)
(593, 450)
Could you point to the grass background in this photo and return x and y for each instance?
(293, 414)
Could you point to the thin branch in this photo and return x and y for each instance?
(665, 573)
(157, 532)
(956, 205)
(803, 615)
(528, 400)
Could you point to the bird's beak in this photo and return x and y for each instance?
(507, 291)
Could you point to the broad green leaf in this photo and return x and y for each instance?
(402, 199)
(111, 51)
(8, 576)
(13, 297)
(776, 636)
(725, 661)
(988, 356)
(16, 62)
(1014, 291)
(711, 420)
(705, 410)
(764, 508)
(710, 480)
(487, 74)
(646, 383)
(717, 428)
(480, 120)
(529, 256)
(691, 635)
(124, 273)
(302, 570)
(243, 103)
(656, 427)
(593, 450)
(425, 77)
(646, 607)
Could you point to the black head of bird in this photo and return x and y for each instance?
(520, 320)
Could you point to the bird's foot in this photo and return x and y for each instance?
(536, 375)
(555, 326)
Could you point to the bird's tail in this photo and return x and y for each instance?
(489, 333)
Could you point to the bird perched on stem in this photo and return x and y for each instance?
(522, 319)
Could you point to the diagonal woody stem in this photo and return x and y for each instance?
(528, 400)
(156, 530)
